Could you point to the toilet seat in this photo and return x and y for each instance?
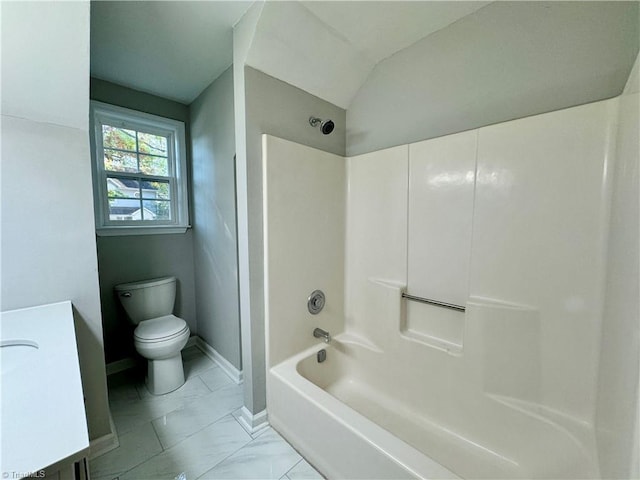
(160, 329)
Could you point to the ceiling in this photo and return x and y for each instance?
(334, 49)
(379, 29)
(173, 49)
(329, 48)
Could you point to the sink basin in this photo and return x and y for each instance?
(15, 352)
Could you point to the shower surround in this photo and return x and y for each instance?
(510, 221)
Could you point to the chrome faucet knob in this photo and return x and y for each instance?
(315, 302)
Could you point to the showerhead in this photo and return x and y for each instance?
(326, 126)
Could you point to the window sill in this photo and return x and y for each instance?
(137, 230)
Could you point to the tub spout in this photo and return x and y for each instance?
(319, 333)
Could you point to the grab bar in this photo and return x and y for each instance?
(452, 306)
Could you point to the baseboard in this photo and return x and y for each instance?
(193, 340)
(250, 422)
(223, 363)
(121, 365)
(105, 443)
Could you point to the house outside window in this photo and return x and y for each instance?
(139, 172)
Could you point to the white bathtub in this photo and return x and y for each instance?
(355, 416)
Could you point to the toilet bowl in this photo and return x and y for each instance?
(159, 335)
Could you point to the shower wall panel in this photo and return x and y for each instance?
(441, 183)
(539, 237)
(376, 245)
(304, 215)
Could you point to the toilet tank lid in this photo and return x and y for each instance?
(144, 284)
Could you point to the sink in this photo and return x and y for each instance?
(14, 352)
(41, 392)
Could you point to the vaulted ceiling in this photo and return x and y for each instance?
(175, 49)
(330, 48)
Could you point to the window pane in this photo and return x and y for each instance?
(116, 161)
(153, 144)
(156, 210)
(120, 138)
(125, 209)
(123, 187)
(154, 165)
(155, 190)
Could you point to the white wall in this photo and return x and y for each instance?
(304, 229)
(525, 235)
(539, 237)
(442, 174)
(442, 178)
(35, 38)
(617, 408)
(376, 233)
(214, 218)
(508, 60)
(48, 237)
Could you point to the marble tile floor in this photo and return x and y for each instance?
(192, 431)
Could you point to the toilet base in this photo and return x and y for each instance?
(166, 375)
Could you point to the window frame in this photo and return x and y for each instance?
(107, 114)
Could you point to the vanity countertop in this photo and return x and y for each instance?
(42, 406)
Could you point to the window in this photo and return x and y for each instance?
(139, 172)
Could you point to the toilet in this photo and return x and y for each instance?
(159, 335)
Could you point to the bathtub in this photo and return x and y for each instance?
(355, 416)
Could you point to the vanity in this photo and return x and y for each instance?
(43, 430)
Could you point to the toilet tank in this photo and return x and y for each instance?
(147, 298)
